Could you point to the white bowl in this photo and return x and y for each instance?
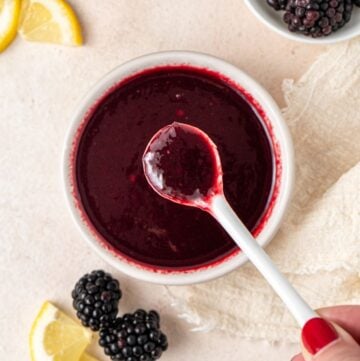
(273, 19)
(273, 122)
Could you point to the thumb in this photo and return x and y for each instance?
(325, 341)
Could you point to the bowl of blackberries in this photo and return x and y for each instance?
(310, 21)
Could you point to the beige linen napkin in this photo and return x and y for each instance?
(318, 244)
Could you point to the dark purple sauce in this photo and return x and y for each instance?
(111, 185)
(181, 164)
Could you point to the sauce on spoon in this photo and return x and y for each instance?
(181, 163)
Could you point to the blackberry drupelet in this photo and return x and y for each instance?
(317, 18)
(134, 337)
(277, 4)
(96, 298)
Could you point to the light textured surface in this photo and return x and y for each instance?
(318, 243)
(41, 252)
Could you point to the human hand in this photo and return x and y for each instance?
(338, 342)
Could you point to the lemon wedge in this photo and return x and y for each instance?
(55, 336)
(9, 18)
(87, 357)
(50, 21)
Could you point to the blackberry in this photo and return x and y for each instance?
(134, 337)
(356, 2)
(277, 4)
(95, 298)
(317, 18)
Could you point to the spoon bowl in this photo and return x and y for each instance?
(182, 164)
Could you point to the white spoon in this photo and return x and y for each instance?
(170, 170)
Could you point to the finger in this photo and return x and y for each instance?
(347, 317)
(298, 357)
(339, 350)
(325, 341)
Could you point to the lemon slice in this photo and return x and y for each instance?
(55, 336)
(87, 357)
(50, 21)
(9, 18)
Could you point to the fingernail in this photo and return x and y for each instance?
(316, 334)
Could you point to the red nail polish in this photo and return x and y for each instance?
(316, 334)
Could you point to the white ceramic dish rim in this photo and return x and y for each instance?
(279, 128)
(332, 39)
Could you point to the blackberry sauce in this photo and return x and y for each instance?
(110, 182)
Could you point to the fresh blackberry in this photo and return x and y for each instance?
(317, 18)
(277, 4)
(95, 298)
(134, 337)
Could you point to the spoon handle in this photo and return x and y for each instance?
(224, 214)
